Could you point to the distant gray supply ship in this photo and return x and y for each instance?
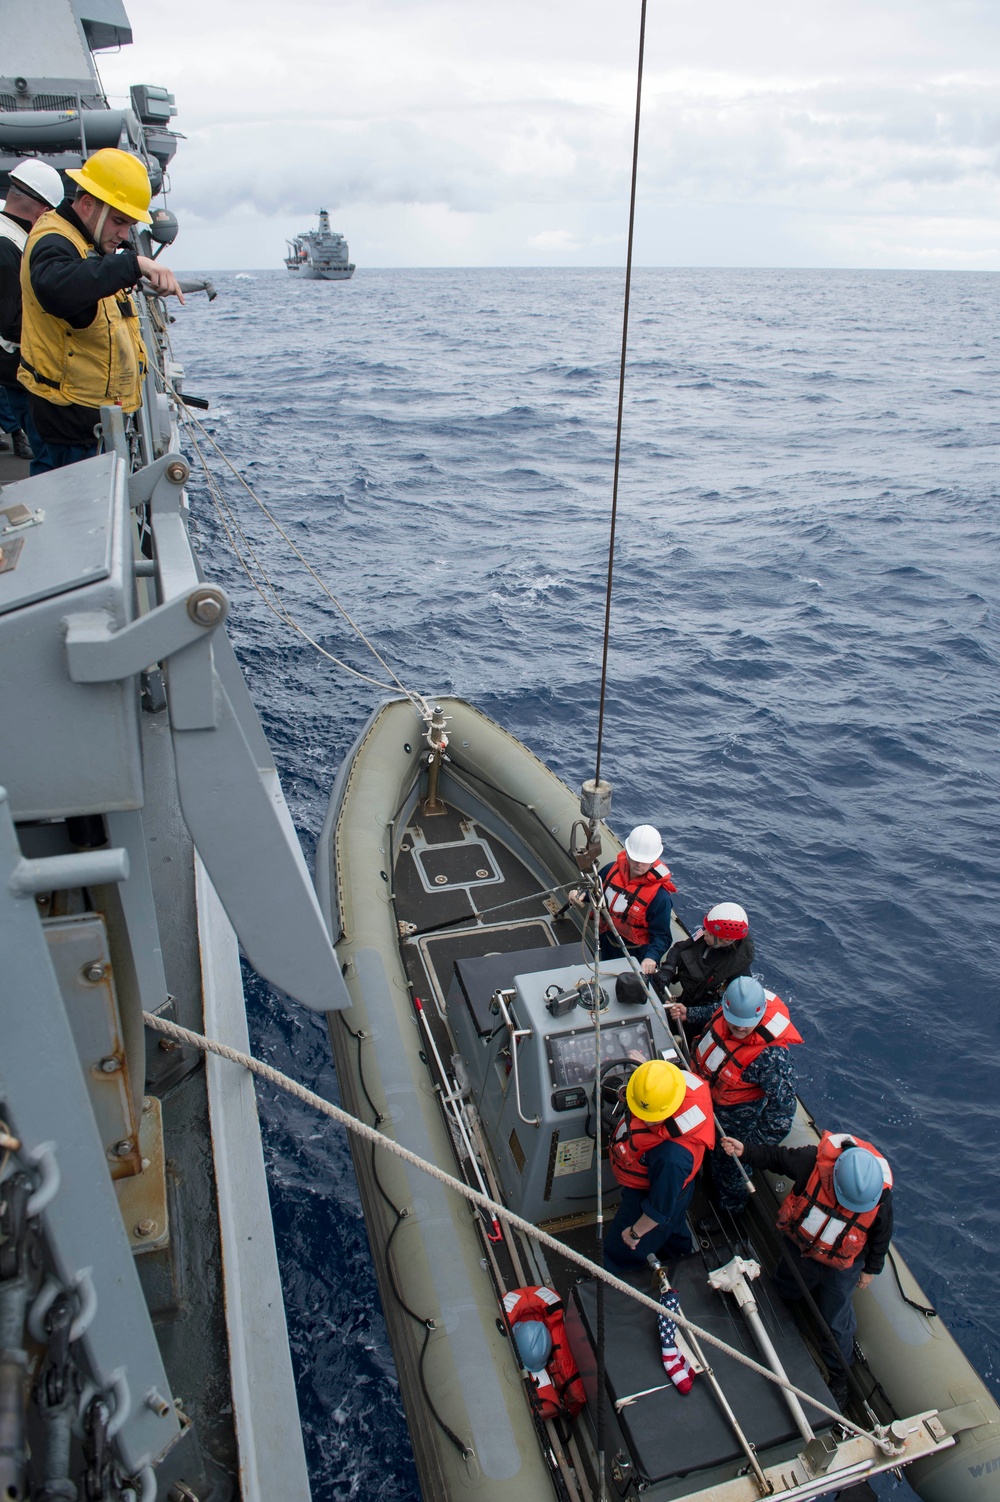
(320, 255)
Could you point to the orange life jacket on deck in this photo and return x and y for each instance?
(628, 898)
(692, 1126)
(721, 1059)
(558, 1388)
(820, 1227)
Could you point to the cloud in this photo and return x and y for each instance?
(519, 111)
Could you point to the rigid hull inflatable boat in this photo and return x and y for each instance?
(470, 1040)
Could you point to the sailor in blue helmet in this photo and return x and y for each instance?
(744, 1056)
(836, 1223)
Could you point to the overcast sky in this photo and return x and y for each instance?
(474, 132)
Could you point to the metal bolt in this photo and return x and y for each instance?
(95, 971)
(207, 607)
(111, 1065)
(124, 1147)
(177, 472)
(145, 1228)
(154, 1400)
(147, 1104)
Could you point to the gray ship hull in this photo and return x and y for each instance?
(314, 274)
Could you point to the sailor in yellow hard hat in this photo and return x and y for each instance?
(81, 348)
(656, 1150)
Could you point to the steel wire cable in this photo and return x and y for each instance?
(621, 395)
(190, 422)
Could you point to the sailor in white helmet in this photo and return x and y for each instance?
(33, 188)
(636, 899)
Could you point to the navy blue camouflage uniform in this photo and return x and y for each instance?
(765, 1121)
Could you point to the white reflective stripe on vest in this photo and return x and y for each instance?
(11, 231)
(542, 1380)
(688, 1120)
(693, 1081)
(716, 1058)
(548, 1296)
(619, 903)
(19, 237)
(777, 1024)
(814, 1227)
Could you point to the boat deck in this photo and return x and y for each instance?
(462, 893)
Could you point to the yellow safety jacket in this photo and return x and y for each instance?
(101, 365)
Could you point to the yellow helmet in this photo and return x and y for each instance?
(655, 1090)
(118, 179)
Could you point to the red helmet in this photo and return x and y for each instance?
(727, 921)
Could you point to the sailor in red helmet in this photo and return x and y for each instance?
(697, 970)
(837, 1225)
(636, 900)
(744, 1057)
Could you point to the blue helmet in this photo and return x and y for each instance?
(858, 1180)
(744, 1002)
(533, 1342)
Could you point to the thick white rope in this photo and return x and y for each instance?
(369, 1134)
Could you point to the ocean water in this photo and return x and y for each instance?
(803, 676)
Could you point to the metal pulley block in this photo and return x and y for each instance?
(585, 840)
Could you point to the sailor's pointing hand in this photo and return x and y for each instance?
(732, 1146)
(164, 283)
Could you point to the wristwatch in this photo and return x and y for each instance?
(633, 1235)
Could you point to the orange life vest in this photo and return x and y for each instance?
(558, 1388)
(628, 898)
(692, 1126)
(721, 1059)
(820, 1227)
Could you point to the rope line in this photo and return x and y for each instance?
(621, 396)
(276, 606)
(189, 422)
(483, 1202)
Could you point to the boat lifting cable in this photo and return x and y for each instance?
(880, 1436)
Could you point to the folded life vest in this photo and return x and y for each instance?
(692, 1126)
(558, 1388)
(628, 898)
(822, 1229)
(721, 1059)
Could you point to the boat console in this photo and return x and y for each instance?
(526, 1026)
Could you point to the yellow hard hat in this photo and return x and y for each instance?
(655, 1090)
(118, 179)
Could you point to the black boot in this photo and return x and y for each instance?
(22, 448)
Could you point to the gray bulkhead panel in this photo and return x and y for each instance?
(65, 747)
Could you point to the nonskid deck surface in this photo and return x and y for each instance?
(450, 873)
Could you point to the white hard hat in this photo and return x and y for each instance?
(644, 844)
(38, 180)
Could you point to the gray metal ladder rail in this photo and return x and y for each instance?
(227, 781)
(45, 1096)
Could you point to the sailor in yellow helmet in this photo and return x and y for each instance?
(656, 1150)
(81, 348)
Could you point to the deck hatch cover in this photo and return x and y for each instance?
(468, 863)
(669, 1435)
